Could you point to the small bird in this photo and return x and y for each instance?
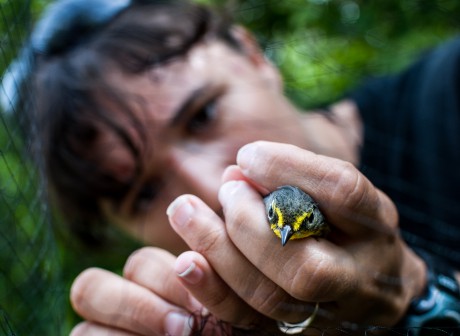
(293, 214)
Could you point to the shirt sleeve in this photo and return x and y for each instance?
(412, 146)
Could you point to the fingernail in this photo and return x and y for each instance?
(205, 312)
(177, 324)
(246, 156)
(192, 274)
(180, 210)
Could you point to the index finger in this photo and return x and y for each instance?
(345, 196)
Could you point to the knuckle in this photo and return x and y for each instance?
(281, 163)
(274, 302)
(218, 299)
(237, 219)
(221, 304)
(269, 300)
(139, 316)
(204, 231)
(210, 242)
(388, 212)
(307, 281)
(349, 183)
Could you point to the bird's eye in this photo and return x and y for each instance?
(271, 213)
(308, 219)
(145, 197)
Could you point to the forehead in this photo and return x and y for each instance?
(165, 87)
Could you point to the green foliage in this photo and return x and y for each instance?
(14, 22)
(325, 47)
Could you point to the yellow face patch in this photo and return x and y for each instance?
(280, 222)
(299, 220)
(276, 230)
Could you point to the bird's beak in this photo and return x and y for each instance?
(286, 233)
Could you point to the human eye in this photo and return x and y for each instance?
(202, 118)
(145, 197)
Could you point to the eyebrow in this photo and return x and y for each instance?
(181, 113)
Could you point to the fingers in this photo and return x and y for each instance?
(344, 195)
(307, 269)
(234, 173)
(110, 300)
(196, 273)
(206, 234)
(152, 268)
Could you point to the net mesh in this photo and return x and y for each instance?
(35, 269)
(31, 292)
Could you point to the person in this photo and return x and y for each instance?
(168, 122)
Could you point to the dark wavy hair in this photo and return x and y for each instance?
(70, 86)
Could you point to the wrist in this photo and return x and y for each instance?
(439, 304)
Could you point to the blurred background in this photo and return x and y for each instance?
(323, 48)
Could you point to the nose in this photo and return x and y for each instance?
(197, 170)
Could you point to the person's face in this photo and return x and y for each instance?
(198, 110)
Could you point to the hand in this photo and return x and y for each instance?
(363, 273)
(148, 300)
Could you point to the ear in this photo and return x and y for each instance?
(252, 51)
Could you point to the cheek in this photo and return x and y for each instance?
(258, 118)
(273, 119)
(151, 225)
(196, 168)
